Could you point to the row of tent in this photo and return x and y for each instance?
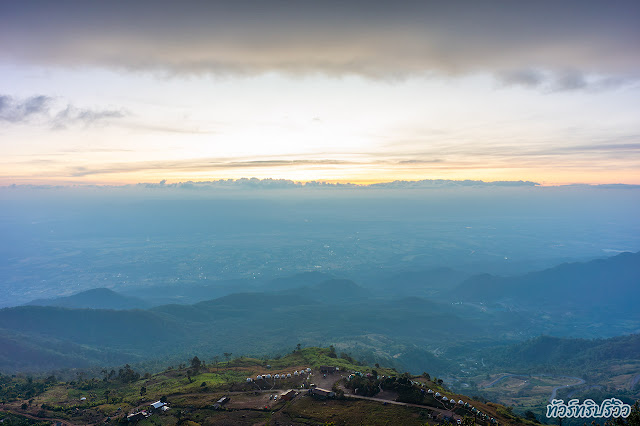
(442, 398)
(280, 376)
(460, 402)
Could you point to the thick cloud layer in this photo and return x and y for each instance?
(526, 43)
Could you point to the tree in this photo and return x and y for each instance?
(127, 375)
(196, 364)
(332, 352)
(348, 357)
(106, 395)
(468, 421)
(143, 390)
(298, 347)
(216, 360)
(227, 355)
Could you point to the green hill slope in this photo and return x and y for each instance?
(208, 393)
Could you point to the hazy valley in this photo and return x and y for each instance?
(470, 284)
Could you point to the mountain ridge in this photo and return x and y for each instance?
(96, 298)
(620, 273)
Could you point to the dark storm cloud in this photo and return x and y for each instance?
(374, 39)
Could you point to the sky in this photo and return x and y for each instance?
(122, 92)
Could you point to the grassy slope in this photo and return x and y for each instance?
(191, 399)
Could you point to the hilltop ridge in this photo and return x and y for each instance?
(309, 386)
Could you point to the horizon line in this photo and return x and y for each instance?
(374, 184)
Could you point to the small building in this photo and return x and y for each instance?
(327, 369)
(322, 393)
(156, 405)
(288, 375)
(308, 370)
(219, 403)
(289, 395)
(136, 417)
(249, 379)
